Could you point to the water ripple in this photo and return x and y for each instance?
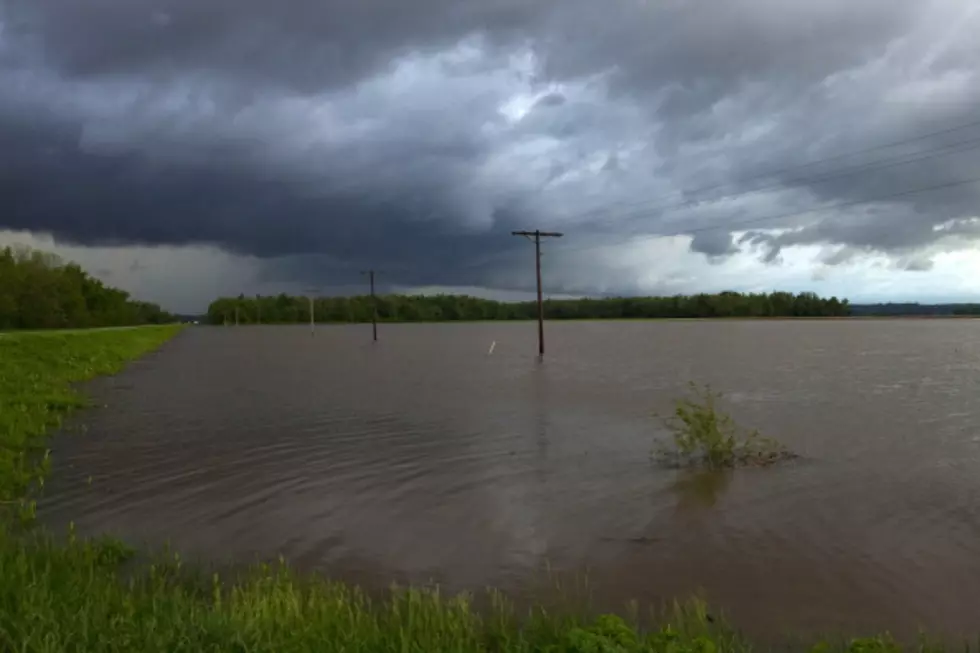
(421, 457)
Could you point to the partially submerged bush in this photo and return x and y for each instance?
(704, 436)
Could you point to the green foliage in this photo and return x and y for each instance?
(75, 595)
(913, 309)
(703, 435)
(423, 308)
(89, 595)
(37, 370)
(38, 291)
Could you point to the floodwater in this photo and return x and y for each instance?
(423, 457)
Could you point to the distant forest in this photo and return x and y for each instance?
(39, 291)
(912, 309)
(437, 308)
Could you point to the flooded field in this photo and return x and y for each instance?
(424, 458)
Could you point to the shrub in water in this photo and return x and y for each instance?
(703, 435)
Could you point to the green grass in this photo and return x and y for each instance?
(79, 595)
(37, 373)
(96, 595)
(61, 332)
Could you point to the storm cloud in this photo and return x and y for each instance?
(322, 137)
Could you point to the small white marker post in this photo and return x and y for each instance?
(311, 293)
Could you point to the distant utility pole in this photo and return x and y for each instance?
(535, 237)
(258, 308)
(374, 305)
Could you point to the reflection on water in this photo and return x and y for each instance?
(422, 458)
(699, 490)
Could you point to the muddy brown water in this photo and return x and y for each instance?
(424, 458)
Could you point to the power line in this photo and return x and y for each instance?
(904, 159)
(359, 185)
(756, 220)
(887, 162)
(900, 160)
(881, 198)
(777, 171)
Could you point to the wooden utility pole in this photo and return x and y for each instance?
(535, 237)
(374, 305)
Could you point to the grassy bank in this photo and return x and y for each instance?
(92, 595)
(37, 373)
(80, 596)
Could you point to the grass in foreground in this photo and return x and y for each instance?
(79, 596)
(704, 436)
(37, 371)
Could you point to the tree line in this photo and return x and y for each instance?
(284, 308)
(908, 309)
(39, 291)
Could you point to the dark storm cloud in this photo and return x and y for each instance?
(713, 244)
(95, 199)
(307, 44)
(702, 51)
(917, 265)
(329, 135)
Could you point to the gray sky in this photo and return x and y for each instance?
(187, 148)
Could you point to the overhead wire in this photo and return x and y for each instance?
(784, 169)
(359, 185)
(780, 216)
(734, 225)
(899, 160)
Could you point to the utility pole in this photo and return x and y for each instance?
(258, 308)
(374, 305)
(535, 237)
